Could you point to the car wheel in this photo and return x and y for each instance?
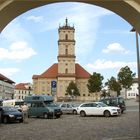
(107, 113)
(82, 114)
(21, 121)
(74, 112)
(5, 120)
(45, 116)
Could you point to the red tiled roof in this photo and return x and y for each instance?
(81, 72)
(21, 86)
(3, 78)
(52, 72)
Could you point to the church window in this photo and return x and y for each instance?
(66, 51)
(66, 70)
(84, 95)
(66, 37)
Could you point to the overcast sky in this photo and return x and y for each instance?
(104, 43)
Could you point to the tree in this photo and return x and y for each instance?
(114, 85)
(105, 94)
(72, 89)
(95, 83)
(125, 78)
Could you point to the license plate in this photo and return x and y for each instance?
(19, 117)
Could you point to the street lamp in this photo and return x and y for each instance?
(138, 68)
(72, 90)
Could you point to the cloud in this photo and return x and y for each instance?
(103, 64)
(9, 71)
(86, 20)
(17, 51)
(36, 19)
(115, 48)
(15, 32)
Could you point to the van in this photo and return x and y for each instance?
(42, 106)
(115, 101)
(14, 103)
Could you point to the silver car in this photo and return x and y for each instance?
(69, 108)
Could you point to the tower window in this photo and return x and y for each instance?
(66, 51)
(66, 37)
(66, 70)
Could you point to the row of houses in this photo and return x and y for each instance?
(10, 90)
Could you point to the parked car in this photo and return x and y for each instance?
(42, 106)
(69, 108)
(97, 108)
(115, 101)
(10, 114)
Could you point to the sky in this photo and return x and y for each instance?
(104, 43)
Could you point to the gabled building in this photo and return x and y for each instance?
(56, 79)
(22, 90)
(6, 87)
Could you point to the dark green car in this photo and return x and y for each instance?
(115, 101)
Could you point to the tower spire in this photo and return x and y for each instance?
(66, 22)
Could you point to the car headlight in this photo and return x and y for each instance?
(11, 116)
(114, 109)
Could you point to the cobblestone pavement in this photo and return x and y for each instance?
(74, 127)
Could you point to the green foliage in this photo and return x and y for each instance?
(125, 77)
(105, 94)
(72, 89)
(95, 82)
(114, 85)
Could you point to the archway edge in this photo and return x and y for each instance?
(128, 10)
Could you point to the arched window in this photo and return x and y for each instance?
(66, 37)
(66, 51)
(66, 70)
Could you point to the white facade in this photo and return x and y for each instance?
(6, 90)
(133, 91)
(22, 91)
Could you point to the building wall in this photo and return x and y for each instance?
(21, 94)
(42, 86)
(133, 91)
(6, 90)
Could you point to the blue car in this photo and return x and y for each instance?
(10, 114)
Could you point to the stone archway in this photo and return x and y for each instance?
(129, 10)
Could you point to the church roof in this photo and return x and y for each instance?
(52, 72)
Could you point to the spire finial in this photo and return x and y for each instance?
(66, 22)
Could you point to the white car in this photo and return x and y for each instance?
(98, 108)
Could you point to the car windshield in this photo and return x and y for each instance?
(10, 109)
(121, 100)
(50, 104)
(102, 104)
(75, 105)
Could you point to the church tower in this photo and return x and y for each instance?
(66, 56)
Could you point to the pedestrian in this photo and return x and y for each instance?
(25, 112)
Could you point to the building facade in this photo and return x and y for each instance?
(6, 87)
(22, 90)
(65, 71)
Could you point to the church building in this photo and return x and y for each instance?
(55, 80)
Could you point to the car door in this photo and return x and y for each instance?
(89, 109)
(69, 108)
(64, 108)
